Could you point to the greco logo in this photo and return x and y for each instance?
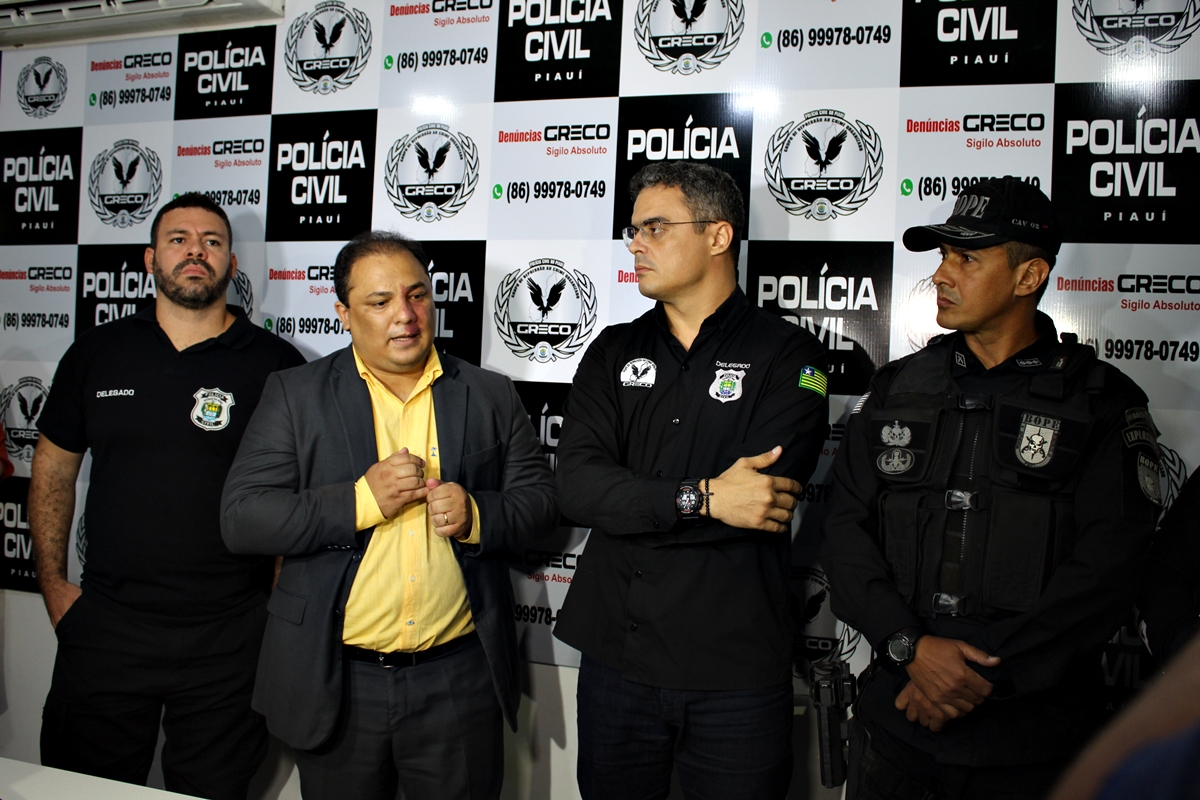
(577, 133)
(1001, 123)
(545, 311)
(234, 147)
(243, 290)
(51, 273)
(431, 173)
(1128, 29)
(327, 48)
(41, 87)
(124, 183)
(687, 37)
(142, 60)
(823, 166)
(21, 404)
(826, 639)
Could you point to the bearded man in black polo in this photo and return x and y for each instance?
(166, 623)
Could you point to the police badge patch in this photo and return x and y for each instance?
(727, 385)
(1035, 444)
(1149, 479)
(211, 412)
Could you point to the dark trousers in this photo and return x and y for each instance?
(435, 730)
(884, 768)
(116, 676)
(724, 745)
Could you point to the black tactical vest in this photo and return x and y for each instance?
(977, 513)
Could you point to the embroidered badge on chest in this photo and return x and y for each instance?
(897, 458)
(639, 372)
(1035, 444)
(211, 412)
(727, 385)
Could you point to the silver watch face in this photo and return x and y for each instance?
(899, 649)
(687, 500)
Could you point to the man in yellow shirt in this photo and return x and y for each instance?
(394, 481)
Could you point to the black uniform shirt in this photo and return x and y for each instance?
(1050, 667)
(1170, 599)
(684, 605)
(163, 427)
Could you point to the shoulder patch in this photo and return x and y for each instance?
(815, 380)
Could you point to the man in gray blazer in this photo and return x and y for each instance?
(394, 480)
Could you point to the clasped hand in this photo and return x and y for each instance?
(942, 686)
(744, 498)
(400, 479)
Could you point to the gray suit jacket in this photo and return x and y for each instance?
(290, 492)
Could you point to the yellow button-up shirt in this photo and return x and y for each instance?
(409, 593)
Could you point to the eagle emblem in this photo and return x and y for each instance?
(639, 372)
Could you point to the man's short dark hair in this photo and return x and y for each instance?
(1020, 252)
(372, 243)
(191, 200)
(710, 193)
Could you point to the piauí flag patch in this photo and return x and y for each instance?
(812, 378)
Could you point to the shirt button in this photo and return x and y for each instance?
(410, 533)
(633, 626)
(684, 367)
(675, 421)
(655, 523)
(411, 622)
(658, 474)
(637, 574)
(412, 578)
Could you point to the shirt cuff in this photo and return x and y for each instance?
(474, 537)
(366, 508)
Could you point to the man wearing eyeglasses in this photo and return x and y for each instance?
(685, 437)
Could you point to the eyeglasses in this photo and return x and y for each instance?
(653, 230)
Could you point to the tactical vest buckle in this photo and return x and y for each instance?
(974, 402)
(947, 604)
(958, 500)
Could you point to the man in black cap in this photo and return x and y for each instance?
(994, 496)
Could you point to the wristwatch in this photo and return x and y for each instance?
(901, 647)
(688, 499)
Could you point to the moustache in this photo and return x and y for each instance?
(198, 262)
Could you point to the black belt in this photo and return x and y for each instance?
(402, 659)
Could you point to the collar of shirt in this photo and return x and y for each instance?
(1031, 358)
(433, 371)
(736, 306)
(238, 335)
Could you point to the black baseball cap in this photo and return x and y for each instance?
(993, 212)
